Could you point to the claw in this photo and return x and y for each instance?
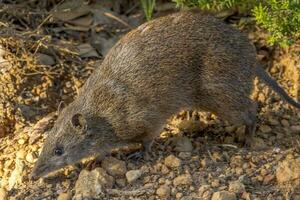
(146, 153)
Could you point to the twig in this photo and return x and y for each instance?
(49, 16)
(117, 19)
(228, 145)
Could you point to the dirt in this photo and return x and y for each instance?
(47, 53)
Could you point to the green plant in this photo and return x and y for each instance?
(148, 7)
(281, 18)
(215, 5)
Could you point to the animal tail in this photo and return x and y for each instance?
(264, 76)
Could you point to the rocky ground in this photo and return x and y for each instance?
(46, 54)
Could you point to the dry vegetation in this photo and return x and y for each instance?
(47, 51)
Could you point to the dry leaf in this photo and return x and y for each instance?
(69, 15)
(86, 51)
(77, 28)
(82, 21)
(106, 17)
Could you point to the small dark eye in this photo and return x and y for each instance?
(58, 151)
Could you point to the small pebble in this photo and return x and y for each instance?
(205, 192)
(163, 191)
(223, 195)
(185, 179)
(215, 183)
(178, 195)
(288, 171)
(236, 187)
(21, 154)
(295, 128)
(265, 128)
(30, 158)
(285, 123)
(121, 182)
(3, 194)
(172, 161)
(133, 175)
(91, 183)
(21, 141)
(64, 196)
(114, 167)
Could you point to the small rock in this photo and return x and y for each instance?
(246, 196)
(21, 154)
(215, 183)
(223, 195)
(64, 196)
(205, 192)
(133, 175)
(172, 161)
(268, 178)
(30, 157)
(114, 166)
(44, 59)
(16, 175)
(164, 169)
(261, 97)
(258, 143)
(185, 179)
(121, 182)
(21, 141)
(178, 195)
(285, 123)
(236, 187)
(91, 183)
(3, 194)
(295, 128)
(163, 191)
(289, 171)
(265, 128)
(239, 171)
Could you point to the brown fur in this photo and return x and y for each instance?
(187, 60)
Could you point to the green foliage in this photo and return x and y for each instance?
(215, 5)
(148, 7)
(281, 18)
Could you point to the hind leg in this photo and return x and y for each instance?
(249, 118)
(242, 112)
(249, 133)
(250, 125)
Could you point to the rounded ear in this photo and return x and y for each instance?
(78, 121)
